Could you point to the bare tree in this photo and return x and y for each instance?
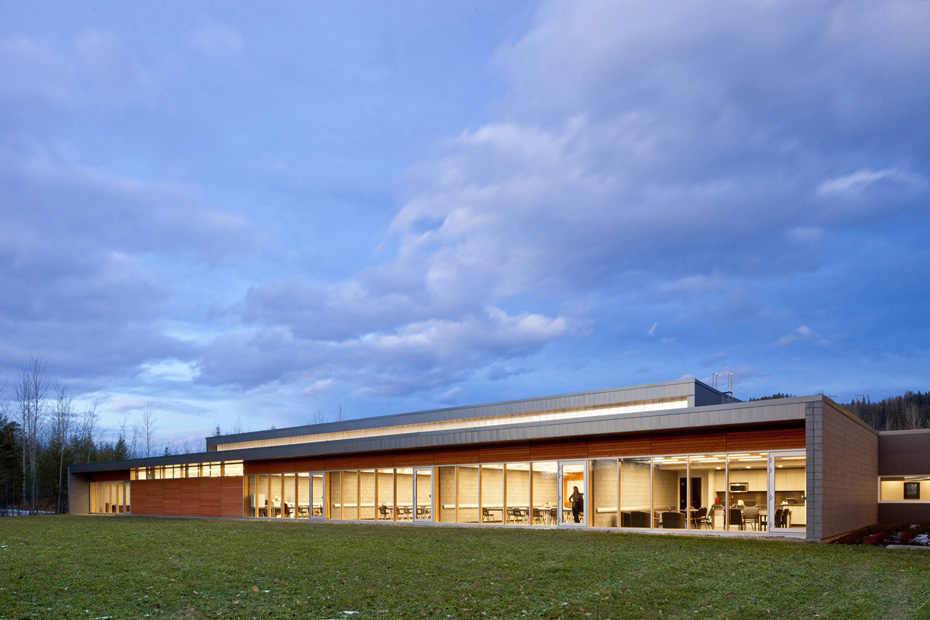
(89, 429)
(319, 417)
(237, 427)
(30, 394)
(340, 414)
(149, 426)
(62, 418)
(912, 417)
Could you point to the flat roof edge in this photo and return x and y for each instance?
(523, 405)
(649, 421)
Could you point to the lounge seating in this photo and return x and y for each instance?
(674, 520)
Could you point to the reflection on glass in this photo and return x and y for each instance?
(424, 495)
(468, 480)
(790, 498)
(636, 492)
(545, 481)
(366, 494)
(385, 494)
(317, 489)
(289, 497)
(706, 492)
(574, 494)
(303, 495)
(748, 491)
(604, 490)
(261, 495)
(445, 492)
(350, 495)
(275, 506)
(518, 493)
(404, 485)
(334, 485)
(492, 493)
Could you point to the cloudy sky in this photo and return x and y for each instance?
(254, 212)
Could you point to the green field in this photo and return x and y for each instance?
(86, 567)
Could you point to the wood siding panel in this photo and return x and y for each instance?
(373, 461)
(138, 497)
(339, 462)
(231, 497)
(623, 446)
(689, 443)
(190, 497)
(210, 496)
(410, 459)
(785, 438)
(491, 454)
(156, 497)
(171, 498)
(255, 467)
(559, 450)
(457, 456)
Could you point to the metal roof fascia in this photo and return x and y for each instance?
(729, 414)
(655, 391)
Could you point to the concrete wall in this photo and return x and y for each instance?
(842, 459)
(78, 494)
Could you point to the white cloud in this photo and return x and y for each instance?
(860, 179)
(801, 334)
(218, 41)
(652, 330)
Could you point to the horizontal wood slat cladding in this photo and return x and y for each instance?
(231, 497)
(623, 446)
(517, 452)
(210, 497)
(138, 498)
(766, 439)
(171, 500)
(684, 443)
(558, 450)
(456, 456)
(409, 459)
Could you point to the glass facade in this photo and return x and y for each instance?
(215, 469)
(110, 497)
(712, 491)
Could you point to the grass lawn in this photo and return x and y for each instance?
(87, 567)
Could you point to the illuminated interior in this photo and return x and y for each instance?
(546, 416)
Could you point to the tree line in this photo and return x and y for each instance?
(897, 413)
(43, 432)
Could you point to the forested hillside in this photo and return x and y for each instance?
(894, 414)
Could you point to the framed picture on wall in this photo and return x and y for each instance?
(911, 490)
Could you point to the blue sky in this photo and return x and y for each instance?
(252, 213)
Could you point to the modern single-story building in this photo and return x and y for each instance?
(667, 457)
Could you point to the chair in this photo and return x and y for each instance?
(736, 518)
(287, 510)
(749, 502)
(383, 512)
(262, 505)
(488, 516)
(639, 518)
(699, 518)
(519, 515)
(674, 520)
(751, 516)
(779, 518)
